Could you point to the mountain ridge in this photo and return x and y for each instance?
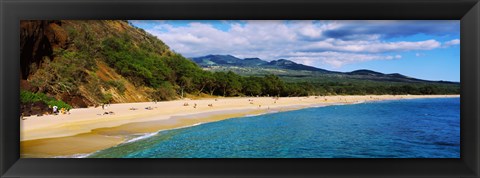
(224, 62)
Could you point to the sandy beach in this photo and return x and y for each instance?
(87, 130)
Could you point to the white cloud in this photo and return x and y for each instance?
(302, 41)
(419, 54)
(451, 43)
(335, 59)
(371, 46)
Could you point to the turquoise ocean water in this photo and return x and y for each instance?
(413, 128)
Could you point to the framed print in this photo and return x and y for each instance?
(240, 88)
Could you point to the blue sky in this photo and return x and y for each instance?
(425, 49)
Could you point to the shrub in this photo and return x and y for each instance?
(165, 92)
(107, 98)
(118, 84)
(30, 97)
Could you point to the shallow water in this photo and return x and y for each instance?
(412, 128)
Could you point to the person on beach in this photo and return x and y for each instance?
(103, 106)
(55, 109)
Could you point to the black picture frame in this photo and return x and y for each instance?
(12, 11)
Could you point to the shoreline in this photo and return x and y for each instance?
(84, 132)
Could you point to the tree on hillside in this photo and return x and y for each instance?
(234, 84)
(204, 80)
(252, 86)
(184, 82)
(222, 81)
(273, 85)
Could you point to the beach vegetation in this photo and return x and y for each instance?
(63, 73)
(27, 97)
(107, 98)
(164, 92)
(118, 84)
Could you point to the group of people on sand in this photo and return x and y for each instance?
(147, 108)
(131, 109)
(105, 106)
(108, 113)
(57, 111)
(195, 104)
